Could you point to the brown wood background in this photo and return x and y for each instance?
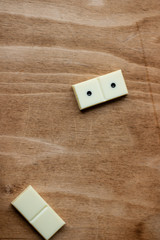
(99, 169)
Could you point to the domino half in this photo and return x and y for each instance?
(100, 89)
(38, 213)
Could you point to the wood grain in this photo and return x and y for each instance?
(100, 168)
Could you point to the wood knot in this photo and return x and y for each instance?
(149, 229)
(9, 189)
(139, 230)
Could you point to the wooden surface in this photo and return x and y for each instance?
(99, 169)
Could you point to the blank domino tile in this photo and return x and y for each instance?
(100, 89)
(38, 213)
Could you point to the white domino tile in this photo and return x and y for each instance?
(29, 203)
(113, 85)
(38, 213)
(100, 89)
(88, 93)
(47, 222)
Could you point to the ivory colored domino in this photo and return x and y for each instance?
(38, 213)
(100, 89)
